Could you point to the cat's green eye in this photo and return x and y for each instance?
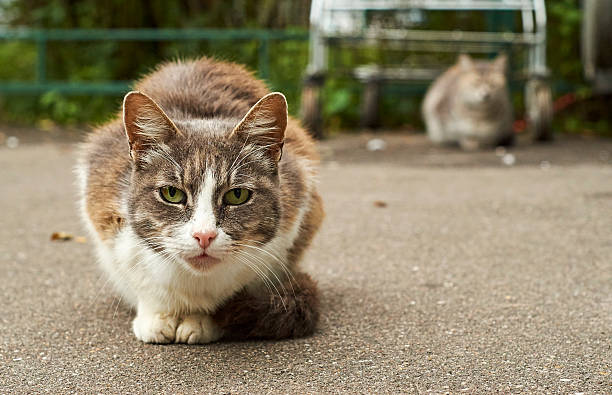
(236, 196)
(172, 195)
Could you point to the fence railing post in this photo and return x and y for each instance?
(41, 57)
(264, 56)
(40, 38)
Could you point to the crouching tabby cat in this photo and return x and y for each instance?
(469, 104)
(201, 199)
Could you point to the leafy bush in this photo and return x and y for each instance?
(125, 60)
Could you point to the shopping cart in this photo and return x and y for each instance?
(401, 25)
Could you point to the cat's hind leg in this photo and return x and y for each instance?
(272, 316)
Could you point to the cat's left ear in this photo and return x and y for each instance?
(500, 63)
(146, 124)
(265, 123)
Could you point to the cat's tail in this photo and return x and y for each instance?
(272, 316)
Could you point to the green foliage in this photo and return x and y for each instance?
(127, 60)
(590, 114)
(18, 60)
(288, 60)
(564, 18)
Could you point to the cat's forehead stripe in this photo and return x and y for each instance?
(204, 215)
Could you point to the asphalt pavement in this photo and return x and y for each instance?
(440, 272)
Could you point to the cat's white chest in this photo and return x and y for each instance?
(465, 127)
(141, 274)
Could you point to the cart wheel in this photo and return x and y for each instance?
(311, 105)
(369, 104)
(538, 102)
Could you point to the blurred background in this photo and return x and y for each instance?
(60, 66)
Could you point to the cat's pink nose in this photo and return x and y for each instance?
(205, 238)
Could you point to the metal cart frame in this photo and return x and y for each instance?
(596, 37)
(333, 20)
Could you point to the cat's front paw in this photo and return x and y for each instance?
(155, 328)
(197, 329)
(469, 144)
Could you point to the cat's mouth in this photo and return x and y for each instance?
(202, 262)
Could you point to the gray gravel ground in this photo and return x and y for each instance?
(475, 278)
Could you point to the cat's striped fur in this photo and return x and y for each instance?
(204, 127)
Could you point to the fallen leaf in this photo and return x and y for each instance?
(380, 203)
(80, 239)
(61, 236)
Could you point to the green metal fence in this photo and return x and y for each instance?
(43, 36)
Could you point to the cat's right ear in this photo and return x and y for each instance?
(465, 61)
(146, 124)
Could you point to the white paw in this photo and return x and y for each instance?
(155, 328)
(197, 329)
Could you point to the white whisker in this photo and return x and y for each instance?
(277, 259)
